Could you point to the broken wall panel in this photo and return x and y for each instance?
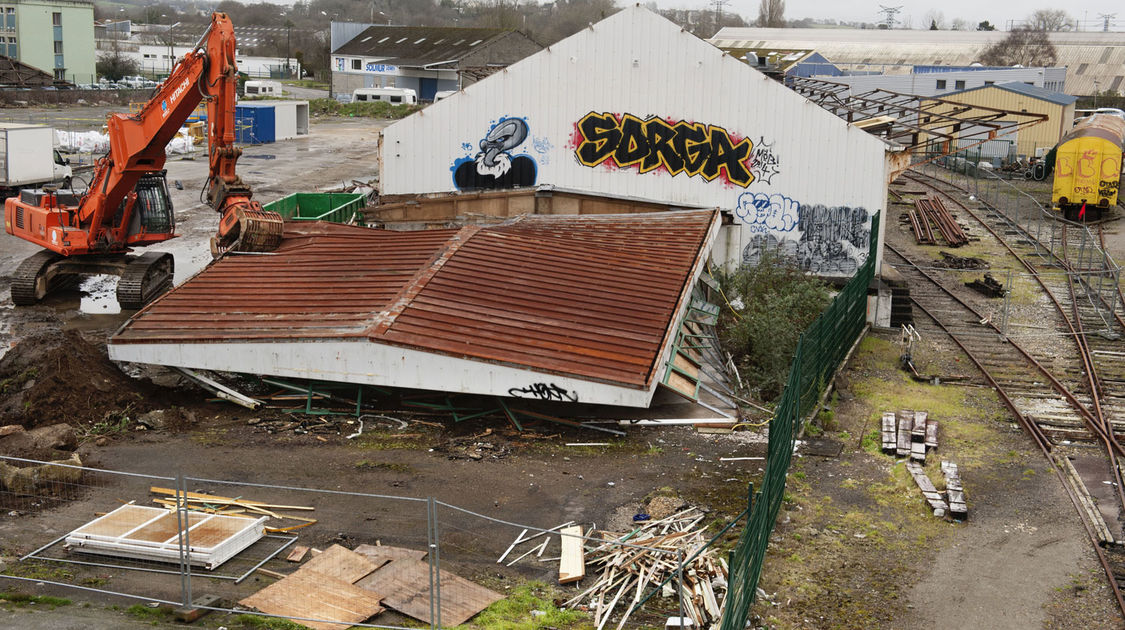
(146, 533)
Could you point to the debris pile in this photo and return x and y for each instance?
(930, 212)
(60, 377)
(628, 574)
(237, 506)
(952, 261)
(987, 286)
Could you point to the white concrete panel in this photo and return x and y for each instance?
(813, 183)
(362, 361)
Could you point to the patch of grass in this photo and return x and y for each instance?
(23, 599)
(654, 450)
(388, 466)
(148, 613)
(378, 109)
(35, 570)
(527, 607)
(16, 383)
(213, 436)
(267, 623)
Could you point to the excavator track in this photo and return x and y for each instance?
(145, 278)
(34, 278)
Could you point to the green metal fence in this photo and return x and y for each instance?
(820, 351)
(334, 207)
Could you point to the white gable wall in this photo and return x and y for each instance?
(815, 180)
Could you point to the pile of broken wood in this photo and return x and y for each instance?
(930, 212)
(628, 573)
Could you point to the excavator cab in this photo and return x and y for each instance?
(152, 211)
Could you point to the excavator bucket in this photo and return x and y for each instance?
(245, 227)
(261, 230)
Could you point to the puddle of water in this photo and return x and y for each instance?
(99, 295)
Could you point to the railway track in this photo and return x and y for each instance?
(1061, 371)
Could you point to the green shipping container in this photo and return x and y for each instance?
(334, 207)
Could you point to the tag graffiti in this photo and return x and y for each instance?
(544, 391)
(625, 141)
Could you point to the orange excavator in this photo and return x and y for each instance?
(127, 203)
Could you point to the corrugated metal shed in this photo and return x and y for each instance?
(415, 46)
(1090, 56)
(1024, 89)
(587, 303)
(1018, 97)
(704, 129)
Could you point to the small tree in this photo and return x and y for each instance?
(113, 64)
(1023, 47)
(771, 13)
(1050, 20)
(985, 26)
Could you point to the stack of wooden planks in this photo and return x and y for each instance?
(237, 506)
(958, 509)
(933, 497)
(629, 573)
(909, 433)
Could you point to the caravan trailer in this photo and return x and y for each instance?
(394, 96)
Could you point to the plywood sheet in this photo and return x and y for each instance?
(405, 587)
(342, 564)
(310, 595)
(385, 553)
(120, 521)
(572, 564)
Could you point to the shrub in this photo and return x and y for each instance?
(771, 304)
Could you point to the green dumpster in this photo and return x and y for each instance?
(335, 207)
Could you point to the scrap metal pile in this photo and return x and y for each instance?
(630, 574)
(930, 212)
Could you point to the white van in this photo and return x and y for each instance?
(443, 94)
(394, 96)
(262, 88)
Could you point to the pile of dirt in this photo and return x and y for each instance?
(58, 377)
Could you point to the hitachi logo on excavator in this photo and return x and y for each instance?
(175, 96)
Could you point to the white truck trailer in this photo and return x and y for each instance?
(28, 158)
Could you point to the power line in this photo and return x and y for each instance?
(889, 19)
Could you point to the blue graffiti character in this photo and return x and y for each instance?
(494, 166)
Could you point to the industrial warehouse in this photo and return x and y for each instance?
(549, 344)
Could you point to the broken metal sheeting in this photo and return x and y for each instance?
(556, 308)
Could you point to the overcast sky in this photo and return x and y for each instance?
(998, 12)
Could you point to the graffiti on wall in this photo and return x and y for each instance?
(764, 212)
(495, 166)
(653, 143)
(764, 163)
(824, 240)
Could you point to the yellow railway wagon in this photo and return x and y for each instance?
(1088, 167)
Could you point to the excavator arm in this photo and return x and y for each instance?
(138, 141)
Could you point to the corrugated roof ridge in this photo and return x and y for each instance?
(416, 284)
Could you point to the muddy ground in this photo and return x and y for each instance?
(855, 546)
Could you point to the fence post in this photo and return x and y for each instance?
(182, 521)
(680, 583)
(430, 556)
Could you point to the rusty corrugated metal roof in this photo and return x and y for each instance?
(589, 296)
